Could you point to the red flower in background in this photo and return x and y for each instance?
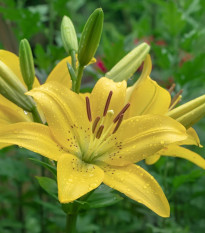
(100, 65)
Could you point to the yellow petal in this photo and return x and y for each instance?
(139, 185)
(100, 94)
(11, 113)
(3, 145)
(148, 98)
(12, 61)
(61, 74)
(152, 159)
(76, 178)
(65, 112)
(140, 137)
(192, 138)
(180, 152)
(32, 136)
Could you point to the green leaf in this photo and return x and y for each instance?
(101, 197)
(49, 185)
(51, 168)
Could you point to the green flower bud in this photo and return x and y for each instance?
(68, 35)
(13, 89)
(90, 37)
(26, 63)
(126, 67)
(189, 113)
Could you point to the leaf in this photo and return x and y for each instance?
(101, 197)
(49, 185)
(51, 168)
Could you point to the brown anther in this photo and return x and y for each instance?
(95, 123)
(170, 90)
(118, 123)
(175, 97)
(100, 130)
(88, 108)
(121, 112)
(107, 103)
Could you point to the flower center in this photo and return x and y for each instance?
(102, 127)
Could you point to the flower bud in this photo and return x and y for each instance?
(68, 35)
(13, 89)
(26, 63)
(189, 113)
(126, 67)
(90, 37)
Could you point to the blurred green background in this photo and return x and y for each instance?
(175, 30)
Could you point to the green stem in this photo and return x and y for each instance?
(73, 58)
(36, 115)
(71, 220)
(79, 78)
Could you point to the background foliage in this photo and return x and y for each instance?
(175, 30)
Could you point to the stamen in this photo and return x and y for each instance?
(88, 108)
(107, 103)
(99, 133)
(95, 123)
(170, 90)
(176, 97)
(118, 123)
(121, 112)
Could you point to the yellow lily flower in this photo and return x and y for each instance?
(147, 97)
(91, 142)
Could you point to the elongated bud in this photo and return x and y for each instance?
(90, 37)
(26, 63)
(126, 67)
(13, 89)
(189, 113)
(68, 35)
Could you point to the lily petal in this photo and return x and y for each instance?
(100, 94)
(65, 112)
(152, 159)
(76, 178)
(192, 139)
(140, 137)
(12, 61)
(148, 98)
(181, 152)
(139, 185)
(32, 136)
(11, 113)
(61, 74)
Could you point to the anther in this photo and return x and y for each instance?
(176, 97)
(118, 123)
(121, 112)
(107, 103)
(88, 108)
(100, 130)
(170, 90)
(95, 123)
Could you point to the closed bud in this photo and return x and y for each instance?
(189, 113)
(126, 67)
(13, 89)
(90, 37)
(26, 63)
(68, 35)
